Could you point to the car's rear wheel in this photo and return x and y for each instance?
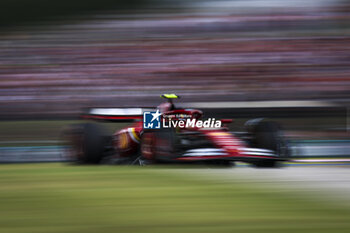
(86, 143)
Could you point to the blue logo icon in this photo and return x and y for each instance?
(151, 120)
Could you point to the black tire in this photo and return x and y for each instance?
(87, 143)
(268, 135)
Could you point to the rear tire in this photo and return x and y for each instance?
(86, 142)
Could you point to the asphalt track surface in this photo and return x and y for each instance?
(328, 178)
(324, 179)
(325, 182)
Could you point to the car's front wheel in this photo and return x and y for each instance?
(268, 135)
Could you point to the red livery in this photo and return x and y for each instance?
(261, 144)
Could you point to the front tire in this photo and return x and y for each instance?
(268, 135)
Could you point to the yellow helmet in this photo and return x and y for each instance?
(170, 96)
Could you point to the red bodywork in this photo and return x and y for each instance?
(132, 140)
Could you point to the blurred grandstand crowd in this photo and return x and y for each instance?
(202, 53)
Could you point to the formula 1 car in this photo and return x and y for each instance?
(262, 145)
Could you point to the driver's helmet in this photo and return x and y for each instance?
(166, 107)
(169, 105)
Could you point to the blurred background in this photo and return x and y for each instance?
(58, 57)
(232, 58)
(240, 59)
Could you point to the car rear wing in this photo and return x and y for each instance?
(115, 114)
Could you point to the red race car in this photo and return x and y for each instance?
(171, 135)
